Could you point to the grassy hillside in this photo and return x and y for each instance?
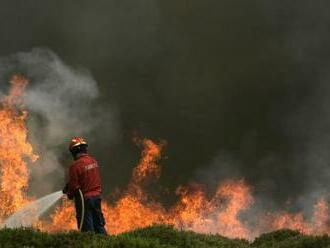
(158, 237)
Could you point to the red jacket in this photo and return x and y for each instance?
(84, 174)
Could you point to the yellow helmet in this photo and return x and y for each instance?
(77, 141)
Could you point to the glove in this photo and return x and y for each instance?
(66, 189)
(70, 197)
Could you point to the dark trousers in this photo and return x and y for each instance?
(93, 220)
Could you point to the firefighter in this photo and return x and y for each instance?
(84, 187)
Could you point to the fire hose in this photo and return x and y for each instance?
(82, 210)
(65, 191)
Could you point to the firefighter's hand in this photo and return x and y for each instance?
(66, 189)
(70, 197)
(67, 196)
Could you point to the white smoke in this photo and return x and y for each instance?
(62, 104)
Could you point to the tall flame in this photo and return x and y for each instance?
(134, 209)
(14, 149)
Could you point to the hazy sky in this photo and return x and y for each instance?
(237, 88)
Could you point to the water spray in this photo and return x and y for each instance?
(28, 215)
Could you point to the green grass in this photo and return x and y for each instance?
(156, 237)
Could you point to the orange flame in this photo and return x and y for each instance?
(147, 167)
(133, 209)
(14, 148)
(63, 218)
(317, 226)
(220, 214)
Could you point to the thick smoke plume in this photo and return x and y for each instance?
(237, 85)
(61, 102)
